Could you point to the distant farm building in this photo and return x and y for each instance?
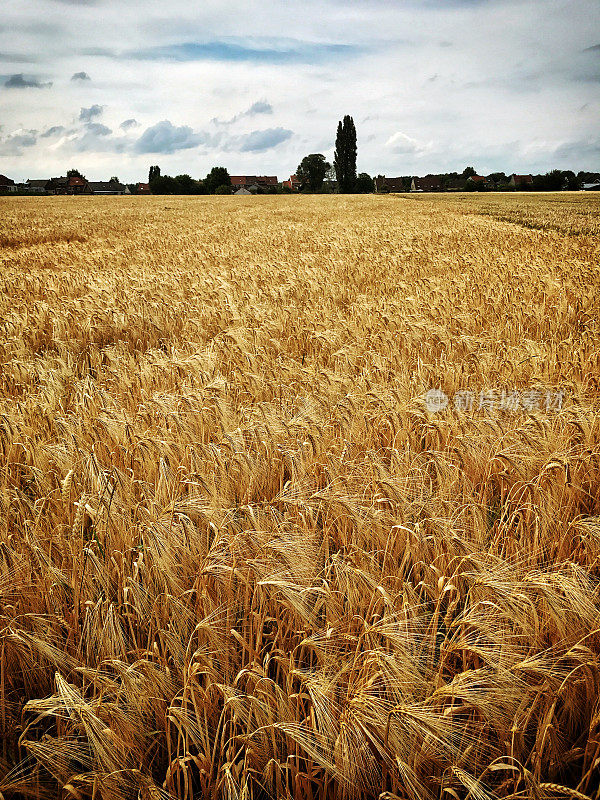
(519, 181)
(37, 185)
(383, 184)
(292, 183)
(253, 183)
(108, 187)
(7, 185)
(430, 183)
(243, 191)
(143, 188)
(73, 184)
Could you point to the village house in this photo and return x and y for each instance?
(7, 185)
(253, 183)
(383, 184)
(520, 180)
(142, 188)
(74, 184)
(108, 187)
(430, 183)
(292, 183)
(37, 185)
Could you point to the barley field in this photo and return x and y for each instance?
(241, 553)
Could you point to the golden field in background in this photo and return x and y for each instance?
(240, 556)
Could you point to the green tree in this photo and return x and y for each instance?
(468, 172)
(364, 183)
(75, 173)
(186, 183)
(164, 184)
(345, 155)
(153, 173)
(312, 170)
(114, 179)
(223, 189)
(217, 177)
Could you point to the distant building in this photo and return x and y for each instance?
(243, 191)
(383, 184)
(518, 181)
(430, 183)
(74, 184)
(108, 187)
(253, 182)
(143, 188)
(7, 185)
(37, 185)
(591, 187)
(292, 183)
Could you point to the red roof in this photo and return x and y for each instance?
(75, 180)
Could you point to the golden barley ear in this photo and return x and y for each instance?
(66, 487)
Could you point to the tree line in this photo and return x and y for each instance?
(217, 181)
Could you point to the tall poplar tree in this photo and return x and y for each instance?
(345, 155)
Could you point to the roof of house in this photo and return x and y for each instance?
(39, 183)
(106, 186)
(391, 184)
(243, 191)
(477, 178)
(143, 187)
(522, 177)
(427, 183)
(76, 180)
(247, 180)
(4, 181)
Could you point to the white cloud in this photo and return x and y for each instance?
(405, 145)
(164, 137)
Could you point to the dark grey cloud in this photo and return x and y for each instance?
(127, 124)
(164, 137)
(55, 130)
(586, 150)
(21, 82)
(88, 114)
(259, 141)
(265, 50)
(80, 76)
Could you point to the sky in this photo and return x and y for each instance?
(111, 87)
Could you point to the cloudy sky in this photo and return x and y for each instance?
(113, 86)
